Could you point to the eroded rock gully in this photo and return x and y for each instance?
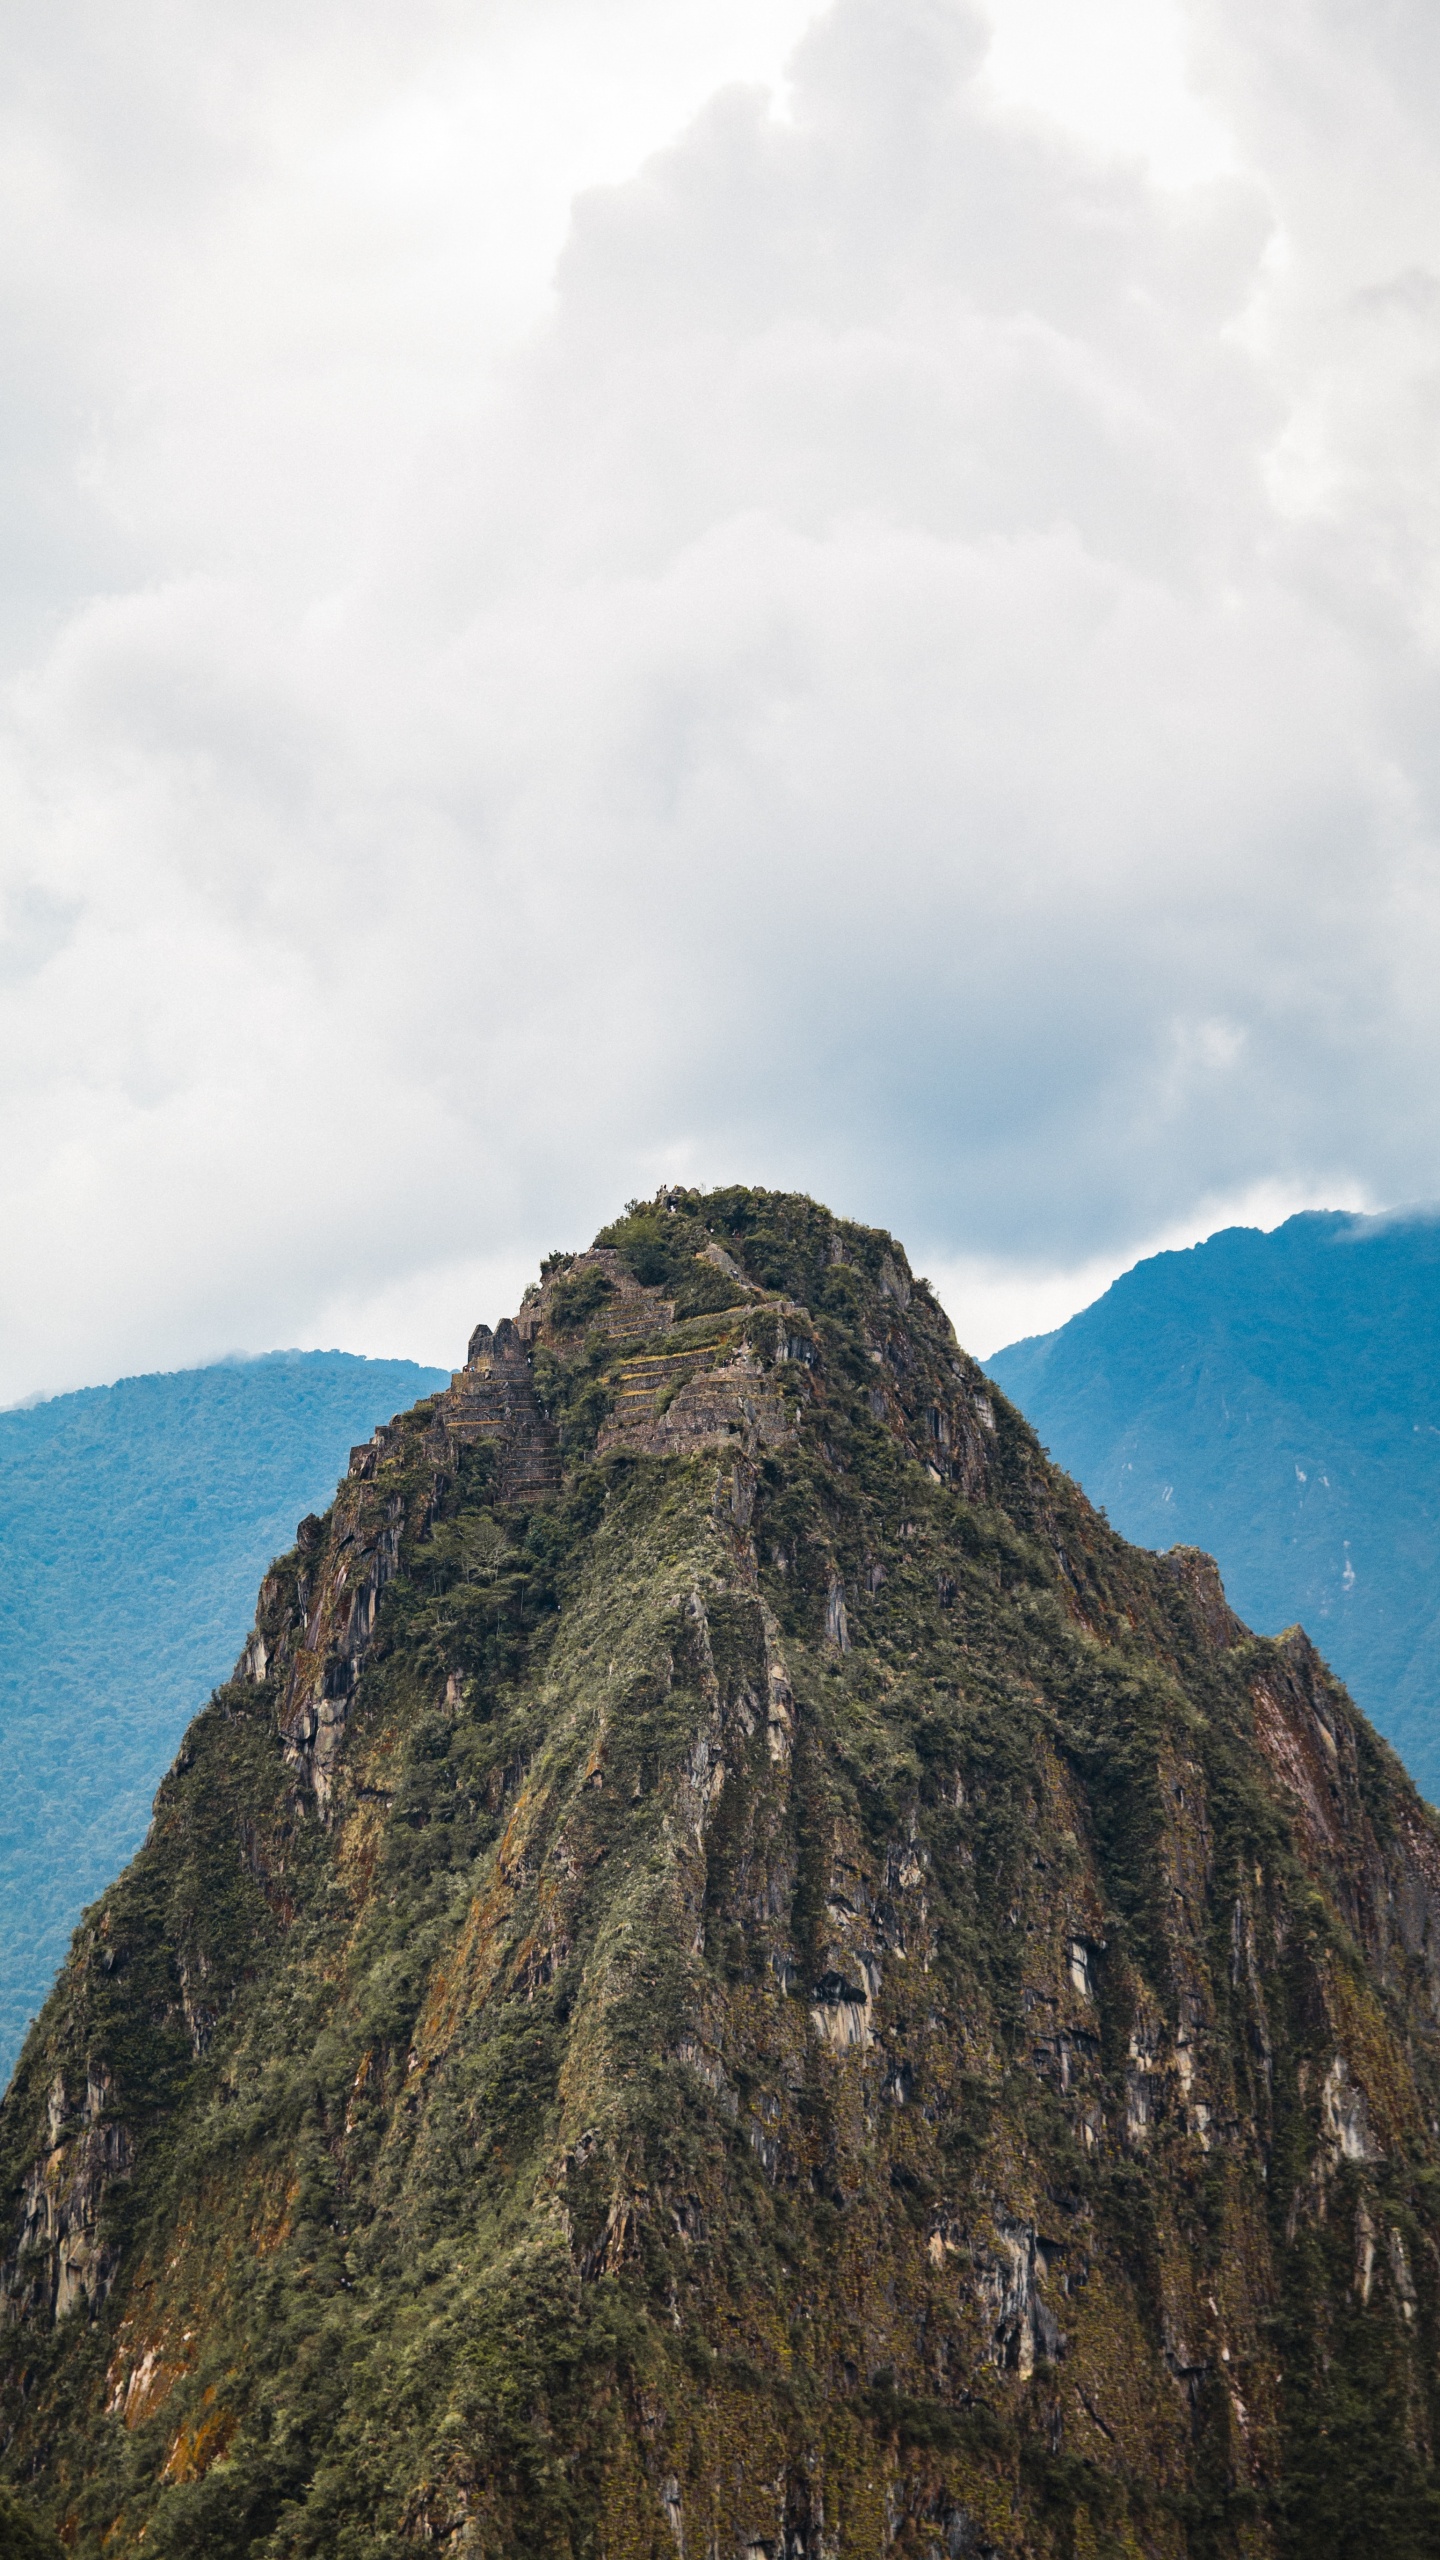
(732, 1973)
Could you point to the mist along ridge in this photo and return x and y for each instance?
(734, 1974)
(134, 1523)
(1276, 1399)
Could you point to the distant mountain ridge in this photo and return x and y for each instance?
(134, 1520)
(1275, 1399)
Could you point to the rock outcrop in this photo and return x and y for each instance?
(492, 1401)
(733, 1974)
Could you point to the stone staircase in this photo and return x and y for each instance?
(492, 1399)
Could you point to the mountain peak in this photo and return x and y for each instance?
(733, 1972)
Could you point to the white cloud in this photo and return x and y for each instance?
(906, 669)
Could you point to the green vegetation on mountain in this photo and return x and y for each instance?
(21, 2538)
(735, 1974)
(135, 1521)
(1275, 1399)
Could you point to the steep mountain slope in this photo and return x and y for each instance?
(734, 1974)
(135, 1521)
(1276, 1400)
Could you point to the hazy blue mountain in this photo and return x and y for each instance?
(134, 1521)
(1276, 1400)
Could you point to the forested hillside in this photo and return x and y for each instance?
(1275, 1399)
(134, 1522)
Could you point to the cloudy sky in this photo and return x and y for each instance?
(607, 591)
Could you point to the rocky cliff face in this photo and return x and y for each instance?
(733, 1974)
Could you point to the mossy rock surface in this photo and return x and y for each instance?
(793, 1997)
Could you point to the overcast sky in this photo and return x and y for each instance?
(607, 591)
